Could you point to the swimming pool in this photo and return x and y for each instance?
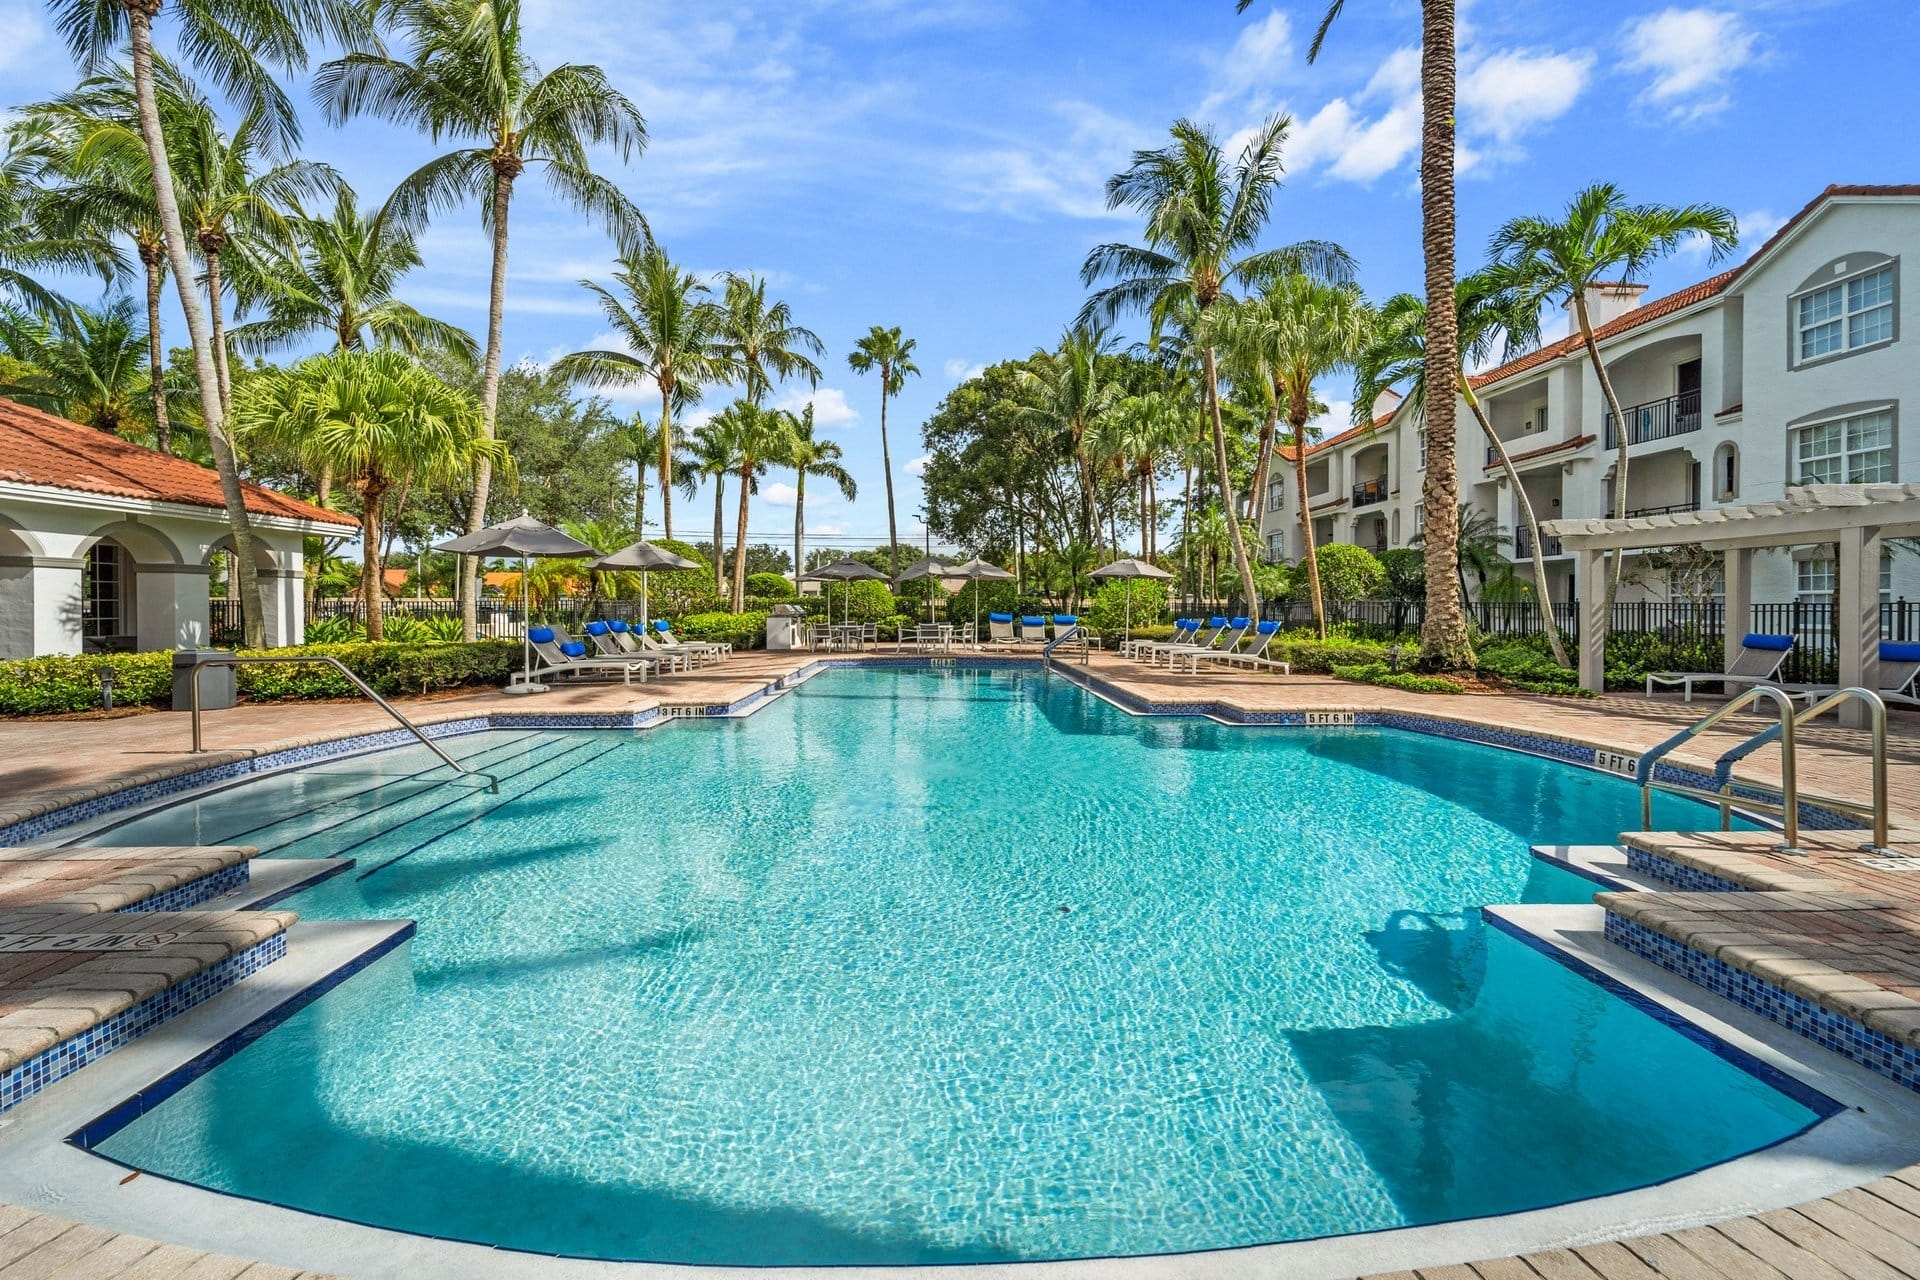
(944, 965)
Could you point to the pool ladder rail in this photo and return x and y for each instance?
(235, 660)
(1072, 640)
(1787, 808)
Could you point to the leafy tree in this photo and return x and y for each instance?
(1406, 570)
(762, 340)
(1601, 237)
(1073, 395)
(1203, 218)
(669, 329)
(467, 75)
(760, 436)
(378, 420)
(37, 228)
(91, 369)
(713, 452)
(769, 586)
(811, 455)
(884, 351)
(1349, 573)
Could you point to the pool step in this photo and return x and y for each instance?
(273, 880)
(1607, 865)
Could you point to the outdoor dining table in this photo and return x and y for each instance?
(929, 635)
(846, 635)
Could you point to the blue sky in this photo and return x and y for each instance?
(937, 164)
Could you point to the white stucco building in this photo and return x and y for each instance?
(105, 544)
(1794, 367)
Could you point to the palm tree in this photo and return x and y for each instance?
(377, 419)
(811, 455)
(1300, 330)
(1073, 392)
(90, 367)
(1489, 316)
(761, 340)
(1601, 237)
(467, 76)
(34, 233)
(886, 352)
(712, 452)
(1132, 436)
(226, 41)
(1477, 546)
(340, 279)
(1203, 217)
(1444, 639)
(759, 437)
(668, 327)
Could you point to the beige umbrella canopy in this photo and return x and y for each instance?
(845, 569)
(527, 538)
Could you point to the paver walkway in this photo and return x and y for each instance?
(42, 1247)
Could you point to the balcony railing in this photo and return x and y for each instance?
(1667, 510)
(1657, 419)
(1523, 544)
(1370, 492)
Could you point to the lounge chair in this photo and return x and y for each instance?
(1225, 640)
(1899, 669)
(1184, 632)
(1000, 629)
(1032, 629)
(1256, 657)
(1758, 662)
(663, 637)
(692, 654)
(569, 657)
(614, 639)
(1064, 623)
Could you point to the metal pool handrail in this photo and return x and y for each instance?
(1072, 633)
(193, 685)
(1782, 731)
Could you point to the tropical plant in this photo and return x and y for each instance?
(91, 368)
(884, 351)
(1476, 547)
(1349, 573)
(225, 40)
(811, 455)
(1203, 218)
(1073, 393)
(713, 452)
(759, 437)
(29, 214)
(668, 327)
(1601, 237)
(378, 420)
(1133, 436)
(467, 76)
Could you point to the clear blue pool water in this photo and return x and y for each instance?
(940, 966)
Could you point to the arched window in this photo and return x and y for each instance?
(1726, 472)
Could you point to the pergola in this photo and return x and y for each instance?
(1858, 518)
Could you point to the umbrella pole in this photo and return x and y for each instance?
(643, 602)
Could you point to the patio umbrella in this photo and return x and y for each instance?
(527, 538)
(643, 556)
(976, 570)
(845, 569)
(1129, 570)
(925, 567)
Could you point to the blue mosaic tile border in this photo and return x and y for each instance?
(195, 892)
(1765, 1072)
(1897, 1061)
(1685, 878)
(63, 1059)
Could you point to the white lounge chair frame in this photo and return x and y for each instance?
(1750, 667)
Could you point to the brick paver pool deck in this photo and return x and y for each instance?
(1845, 929)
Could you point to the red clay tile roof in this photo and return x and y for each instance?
(40, 449)
(1578, 442)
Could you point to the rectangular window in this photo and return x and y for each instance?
(1816, 579)
(1846, 315)
(1856, 450)
(1276, 495)
(103, 592)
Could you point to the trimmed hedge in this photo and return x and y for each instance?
(51, 686)
(1381, 674)
(1319, 657)
(741, 630)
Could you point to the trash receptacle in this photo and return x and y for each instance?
(216, 684)
(786, 627)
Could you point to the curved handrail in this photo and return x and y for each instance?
(1643, 772)
(235, 660)
(1072, 632)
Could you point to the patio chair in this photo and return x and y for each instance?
(1203, 637)
(1184, 632)
(1899, 668)
(663, 635)
(569, 657)
(1256, 657)
(1032, 629)
(1000, 629)
(1066, 622)
(614, 638)
(1224, 640)
(1758, 662)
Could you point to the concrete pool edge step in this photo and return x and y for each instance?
(1606, 866)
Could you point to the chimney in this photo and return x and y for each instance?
(1606, 301)
(1385, 403)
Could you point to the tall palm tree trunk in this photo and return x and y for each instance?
(1226, 485)
(505, 169)
(211, 248)
(140, 15)
(1616, 559)
(666, 461)
(740, 537)
(1186, 533)
(799, 525)
(150, 261)
(886, 467)
(372, 590)
(640, 497)
(1548, 621)
(1444, 641)
(1310, 556)
(719, 532)
(1262, 468)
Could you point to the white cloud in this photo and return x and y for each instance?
(1689, 54)
(1261, 54)
(830, 530)
(1337, 418)
(1757, 228)
(830, 407)
(918, 466)
(1067, 177)
(782, 494)
(1509, 93)
(962, 370)
(1354, 148)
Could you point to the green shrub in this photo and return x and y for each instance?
(866, 601)
(339, 629)
(769, 586)
(66, 684)
(1306, 653)
(1347, 573)
(1379, 673)
(1525, 667)
(1106, 612)
(996, 596)
(674, 592)
(741, 630)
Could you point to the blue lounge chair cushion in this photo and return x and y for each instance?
(574, 649)
(999, 617)
(1891, 652)
(1243, 623)
(541, 635)
(616, 626)
(1216, 622)
(1267, 628)
(1754, 640)
(1065, 620)
(1039, 620)
(596, 628)
(662, 625)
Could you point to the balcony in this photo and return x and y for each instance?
(1658, 419)
(1670, 509)
(1370, 492)
(1523, 545)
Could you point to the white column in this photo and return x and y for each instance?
(170, 603)
(39, 605)
(1591, 586)
(1856, 625)
(284, 600)
(1737, 574)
